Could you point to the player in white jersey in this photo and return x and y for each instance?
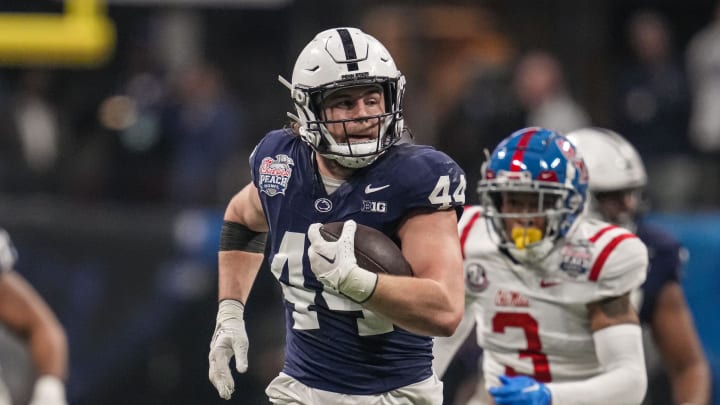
(548, 288)
(27, 314)
(616, 187)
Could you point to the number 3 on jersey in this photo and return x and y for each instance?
(541, 366)
(441, 193)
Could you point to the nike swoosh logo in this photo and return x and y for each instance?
(331, 261)
(546, 284)
(370, 189)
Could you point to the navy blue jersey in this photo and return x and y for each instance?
(333, 343)
(665, 265)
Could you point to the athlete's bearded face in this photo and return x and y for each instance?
(359, 108)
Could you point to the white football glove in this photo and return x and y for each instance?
(48, 390)
(335, 265)
(229, 339)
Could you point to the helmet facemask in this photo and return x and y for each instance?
(555, 205)
(620, 207)
(349, 153)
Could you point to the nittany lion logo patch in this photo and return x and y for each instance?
(275, 174)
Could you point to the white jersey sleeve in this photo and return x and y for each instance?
(8, 255)
(470, 225)
(445, 348)
(620, 265)
(471, 213)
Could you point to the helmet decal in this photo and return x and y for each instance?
(349, 47)
(516, 162)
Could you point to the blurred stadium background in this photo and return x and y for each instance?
(125, 127)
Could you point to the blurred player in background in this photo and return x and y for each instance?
(352, 336)
(548, 288)
(25, 313)
(617, 180)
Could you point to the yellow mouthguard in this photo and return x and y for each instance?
(525, 236)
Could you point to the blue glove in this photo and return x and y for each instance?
(521, 390)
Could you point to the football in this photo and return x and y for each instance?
(374, 251)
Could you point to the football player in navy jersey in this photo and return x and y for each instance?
(353, 336)
(617, 177)
(25, 313)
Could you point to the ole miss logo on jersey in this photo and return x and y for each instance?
(275, 174)
(509, 298)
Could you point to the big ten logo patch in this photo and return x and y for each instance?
(374, 206)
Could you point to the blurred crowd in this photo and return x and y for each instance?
(155, 139)
(172, 118)
(661, 94)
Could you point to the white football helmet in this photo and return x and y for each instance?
(338, 58)
(615, 168)
(613, 163)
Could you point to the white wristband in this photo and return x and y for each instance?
(359, 284)
(49, 389)
(228, 309)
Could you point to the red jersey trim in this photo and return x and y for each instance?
(602, 232)
(602, 258)
(466, 231)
